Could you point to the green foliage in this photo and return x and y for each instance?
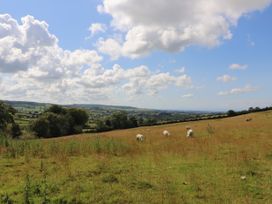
(41, 127)
(6, 113)
(118, 120)
(133, 121)
(79, 116)
(5, 199)
(27, 190)
(7, 123)
(15, 130)
(231, 113)
(56, 109)
(57, 121)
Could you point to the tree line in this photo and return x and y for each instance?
(60, 121)
(231, 113)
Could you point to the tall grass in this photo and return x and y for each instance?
(46, 149)
(113, 167)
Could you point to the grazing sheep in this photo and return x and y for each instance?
(190, 133)
(166, 133)
(140, 137)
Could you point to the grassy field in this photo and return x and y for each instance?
(228, 161)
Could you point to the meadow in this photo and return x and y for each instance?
(228, 161)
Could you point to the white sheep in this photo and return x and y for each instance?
(166, 133)
(190, 133)
(140, 137)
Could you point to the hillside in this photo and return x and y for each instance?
(100, 114)
(34, 105)
(228, 161)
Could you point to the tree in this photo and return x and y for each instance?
(41, 127)
(231, 113)
(119, 120)
(7, 123)
(56, 109)
(79, 116)
(15, 130)
(57, 121)
(251, 109)
(133, 122)
(101, 126)
(58, 124)
(6, 115)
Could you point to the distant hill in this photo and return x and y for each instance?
(99, 106)
(25, 103)
(29, 110)
(29, 104)
(34, 105)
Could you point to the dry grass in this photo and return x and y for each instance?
(113, 167)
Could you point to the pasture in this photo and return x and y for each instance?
(228, 161)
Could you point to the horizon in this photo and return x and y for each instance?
(203, 57)
(143, 108)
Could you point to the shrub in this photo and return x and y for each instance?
(15, 130)
(57, 121)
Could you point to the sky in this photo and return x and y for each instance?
(178, 54)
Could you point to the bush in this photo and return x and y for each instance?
(41, 127)
(57, 121)
(231, 113)
(7, 124)
(15, 130)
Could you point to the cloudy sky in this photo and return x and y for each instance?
(178, 54)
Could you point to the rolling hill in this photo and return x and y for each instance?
(228, 161)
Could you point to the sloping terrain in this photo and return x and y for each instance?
(228, 161)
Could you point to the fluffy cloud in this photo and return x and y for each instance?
(187, 96)
(173, 26)
(30, 45)
(96, 28)
(226, 78)
(238, 66)
(111, 47)
(236, 91)
(133, 81)
(34, 67)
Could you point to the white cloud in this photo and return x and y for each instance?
(238, 66)
(181, 70)
(30, 46)
(173, 26)
(187, 95)
(226, 78)
(34, 67)
(110, 47)
(97, 27)
(236, 91)
(133, 81)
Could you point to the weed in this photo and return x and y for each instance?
(142, 185)
(27, 190)
(110, 179)
(210, 130)
(5, 199)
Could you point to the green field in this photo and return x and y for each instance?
(228, 161)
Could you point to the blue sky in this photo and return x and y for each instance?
(215, 57)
